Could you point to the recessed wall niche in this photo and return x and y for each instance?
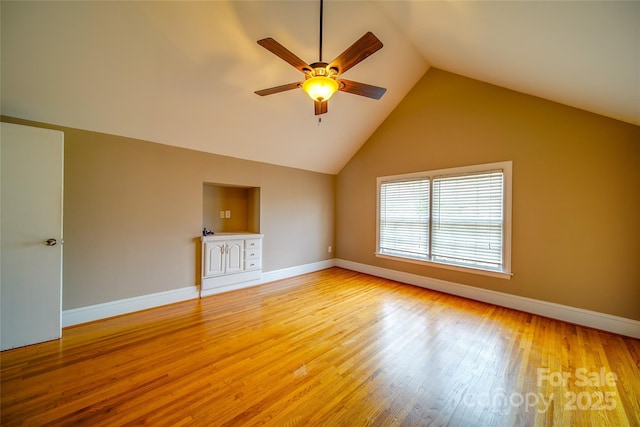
(230, 208)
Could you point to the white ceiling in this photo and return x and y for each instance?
(184, 73)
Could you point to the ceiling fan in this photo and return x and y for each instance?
(321, 78)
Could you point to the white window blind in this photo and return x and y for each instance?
(404, 218)
(456, 218)
(468, 219)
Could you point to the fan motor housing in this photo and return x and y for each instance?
(321, 69)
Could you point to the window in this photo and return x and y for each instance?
(456, 218)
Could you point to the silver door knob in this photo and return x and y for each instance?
(51, 242)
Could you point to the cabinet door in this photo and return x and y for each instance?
(235, 256)
(214, 259)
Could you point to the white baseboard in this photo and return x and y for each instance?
(579, 316)
(90, 313)
(272, 276)
(229, 288)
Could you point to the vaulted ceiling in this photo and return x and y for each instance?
(184, 73)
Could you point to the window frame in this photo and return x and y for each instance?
(507, 169)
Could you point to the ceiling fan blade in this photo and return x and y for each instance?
(362, 89)
(282, 52)
(357, 52)
(321, 107)
(277, 89)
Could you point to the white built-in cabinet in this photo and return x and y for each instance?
(230, 261)
(223, 257)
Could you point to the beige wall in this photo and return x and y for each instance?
(576, 188)
(133, 214)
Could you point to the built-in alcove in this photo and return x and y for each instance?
(230, 208)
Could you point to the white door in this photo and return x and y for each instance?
(31, 214)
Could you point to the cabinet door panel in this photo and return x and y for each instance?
(235, 258)
(214, 261)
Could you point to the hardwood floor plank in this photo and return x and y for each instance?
(333, 347)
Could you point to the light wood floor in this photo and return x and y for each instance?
(332, 348)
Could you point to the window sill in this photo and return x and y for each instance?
(491, 273)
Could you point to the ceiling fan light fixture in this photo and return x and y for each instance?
(320, 88)
(320, 77)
